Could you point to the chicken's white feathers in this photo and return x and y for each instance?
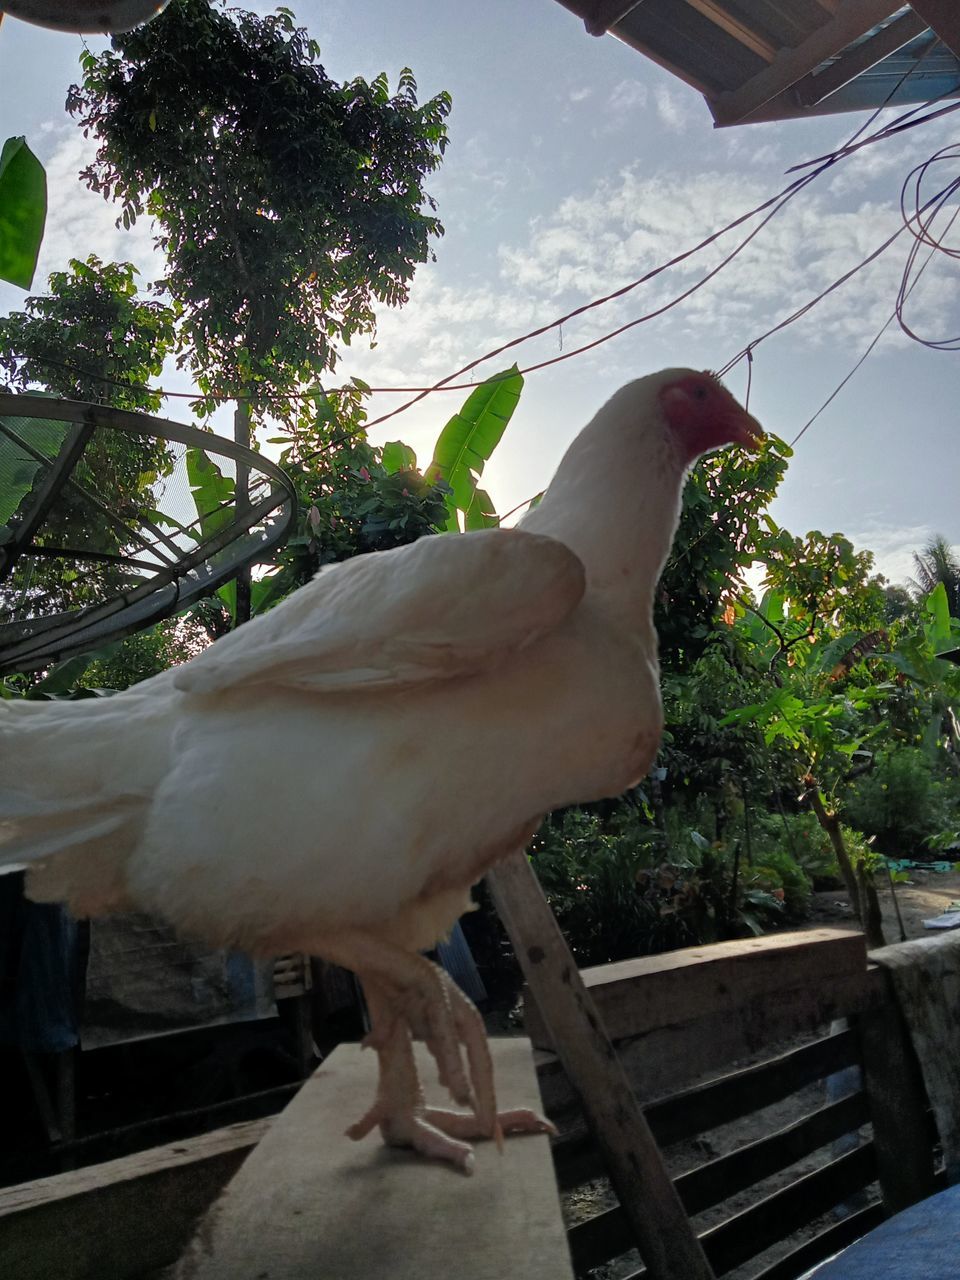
(439, 608)
(359, 756)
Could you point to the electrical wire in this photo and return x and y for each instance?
(902, 297)
(773, 204)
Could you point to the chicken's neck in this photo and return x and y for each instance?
(615, 502)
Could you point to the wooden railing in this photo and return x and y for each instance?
(708, 1037)
(682, 1020)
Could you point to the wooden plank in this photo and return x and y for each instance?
(825, 1244)
(777, 1216)
(310, 1203)
(752, 1010)
(732, 25)
(605, 1236)
(637, 996)
(898, 1107)
(944, 17)
(851, 21)
(122, 1218)
(707, 1106)
(681, 36)
(719, 1179)
(633, 1161)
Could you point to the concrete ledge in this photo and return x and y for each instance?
(310, 1203)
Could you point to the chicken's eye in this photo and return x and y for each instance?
(699, 392)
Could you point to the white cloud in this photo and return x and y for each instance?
(598, 239)
(893, 547)
(627, 100)
(580, 95)
(674, 108)
(79, 222)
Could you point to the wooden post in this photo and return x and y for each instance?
(897, 1099)
(663, 1232)
(241, 434)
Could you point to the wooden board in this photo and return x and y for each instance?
(309, 1203)
(678, 1017)
(122, 1218)
(637, 996)
(632, 1159)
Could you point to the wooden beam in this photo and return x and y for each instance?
(639, 996)
(120, 1219)
(309, 1203)
(678, 1016)
(635, 1166)
(898, 1107)
(601, 15)
(814, 88)
(851, 21)
(734, 27)
(944, 17)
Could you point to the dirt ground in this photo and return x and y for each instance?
(928, 894)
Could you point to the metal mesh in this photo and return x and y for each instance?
(100, 524)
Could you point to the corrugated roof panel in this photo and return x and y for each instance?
(919, 71)
(782, 22)
(762, 59)
(684, 39)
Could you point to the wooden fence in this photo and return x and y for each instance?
(708, 1036)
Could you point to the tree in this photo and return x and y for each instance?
(91, 338)
(937, 562)
(286, 204)
(722, 532)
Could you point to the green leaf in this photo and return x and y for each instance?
(22, 472)
(62, 677)
(481, 514)
(937, 610)
(213, 493)
(397, 456)
(467, 442)
(23, 211)
(227, 594)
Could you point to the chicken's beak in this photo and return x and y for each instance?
(745, 429)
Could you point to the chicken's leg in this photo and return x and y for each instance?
(407, 996)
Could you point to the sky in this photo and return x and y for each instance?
(575, 165)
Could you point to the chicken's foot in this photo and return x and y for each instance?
(400, 1109)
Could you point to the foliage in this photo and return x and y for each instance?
(901, 802)
(798, 836)
(144, 654)
(935, 564)
(721, 533)
(93, 339)
(286, 204)
(821, 579)
(90, 338)
(23, 212)
(702, 755)
(592, 878)
(465, 445)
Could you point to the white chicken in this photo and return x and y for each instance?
(334, 776)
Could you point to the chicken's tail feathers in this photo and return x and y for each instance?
(75, 854)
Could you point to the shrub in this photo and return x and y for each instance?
(899, 801)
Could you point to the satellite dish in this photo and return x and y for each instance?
(84, 15)
(111, 520)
